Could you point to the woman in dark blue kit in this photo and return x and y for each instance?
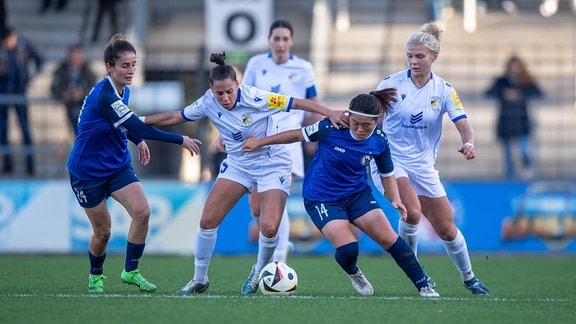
(336, 190)
(100, 165)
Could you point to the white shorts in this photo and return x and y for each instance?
(425, 181)
(270, 173)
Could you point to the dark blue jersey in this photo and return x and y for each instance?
(338, 169)
(101, 146)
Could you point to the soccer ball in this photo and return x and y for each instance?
(277, 279)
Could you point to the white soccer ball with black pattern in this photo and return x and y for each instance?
(278, 279)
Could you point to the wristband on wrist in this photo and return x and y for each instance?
(468, 144)
(143, 119)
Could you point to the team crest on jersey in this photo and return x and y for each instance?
(247, 119)
(276, 101)
(366, 160)
(291, 76)
(435, 102)
(456, 100)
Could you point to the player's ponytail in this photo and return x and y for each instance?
(117, 45)
(222, 70)
(374, 104)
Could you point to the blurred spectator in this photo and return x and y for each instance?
(440, 10)
(15, 55)
(105, 6)
(508, 6)
(548, 8)
(71, 82)
(512, 90)
(46, 4)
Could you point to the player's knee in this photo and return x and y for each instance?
(413, 215)
(102, 234)
(447, 233)
(268, 230)
(141, 215)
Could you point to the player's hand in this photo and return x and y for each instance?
(398, 205)
(251, 144)
(143, 153)
(468, 151)
(192, 145)
(219, 143)
(339, 118)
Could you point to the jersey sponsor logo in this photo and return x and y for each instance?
(276, 101)
(456, 100)
(414, 119)
(257, 99)
(339, 149)
(120, 108)
(275, 88)
(219, 114)
(247, 118)
(435, 102)
(366, 160)
(282, 179)
(403, 96)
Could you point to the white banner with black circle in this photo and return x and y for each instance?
(237, 25)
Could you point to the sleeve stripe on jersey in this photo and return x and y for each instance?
(123, 119)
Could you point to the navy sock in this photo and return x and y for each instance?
(347, 257)
(96, 263)
(407, 261)
(133, 254)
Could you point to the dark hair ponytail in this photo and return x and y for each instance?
(222, 70)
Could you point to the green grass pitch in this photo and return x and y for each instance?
(53, 289)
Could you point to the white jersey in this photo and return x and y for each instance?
(294, 78)
(251, 117)
(414, 124)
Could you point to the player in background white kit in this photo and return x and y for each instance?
(414, 128)
(281, 72)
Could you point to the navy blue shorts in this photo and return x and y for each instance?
(90, 193)
(349, 208)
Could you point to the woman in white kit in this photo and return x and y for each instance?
(414, 128)
(239, 112)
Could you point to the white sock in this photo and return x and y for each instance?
(281, 251)
(409, 233)
(203, 247)
(266, 247)
(458, 252)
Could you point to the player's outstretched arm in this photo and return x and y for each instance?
(254, 143)
(167, 118)
(337, 117)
